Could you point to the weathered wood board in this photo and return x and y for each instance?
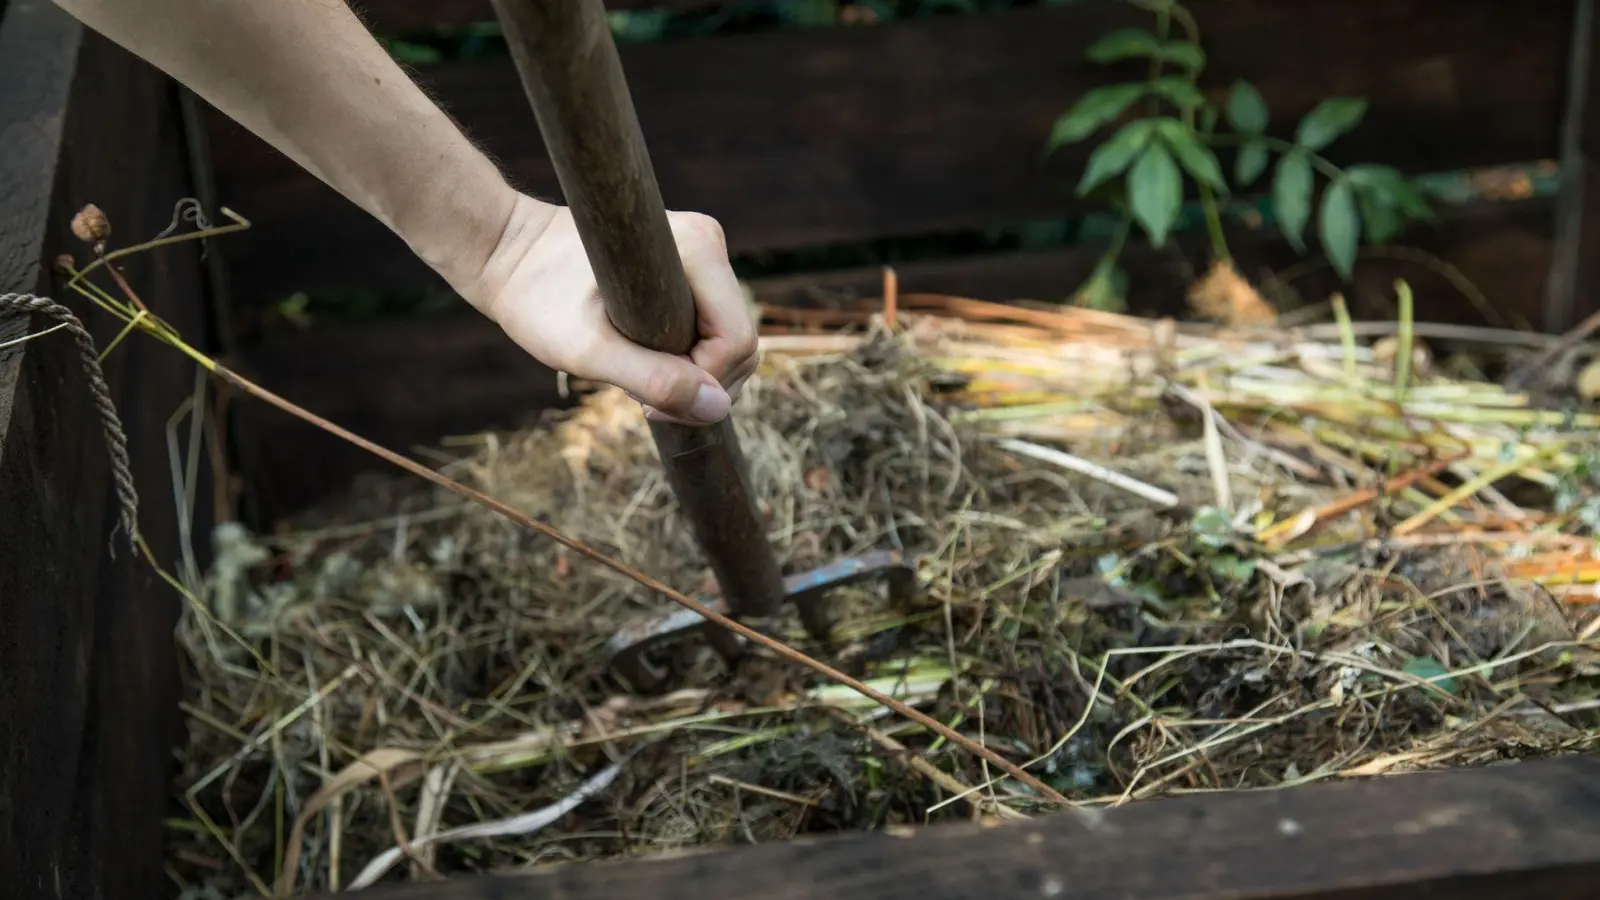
(1499, 833)
(420, 17)
(846, 134)
(88, 690)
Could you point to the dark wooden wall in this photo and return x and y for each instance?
(798, 138)
(846, 134)
(833, 135)
(88, 699)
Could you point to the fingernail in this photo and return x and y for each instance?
(711, 404)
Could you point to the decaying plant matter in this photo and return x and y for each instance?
(1155, 559)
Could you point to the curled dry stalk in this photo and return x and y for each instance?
(133, 312)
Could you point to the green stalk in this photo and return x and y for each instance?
(1119, 239)
(1402, 363)
(1208, 200)
(1347, 335)
(1163, 27)
(1219, 243)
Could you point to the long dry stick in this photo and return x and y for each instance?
(166, 336)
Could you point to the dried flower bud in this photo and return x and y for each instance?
(65, 264)
(90, 225)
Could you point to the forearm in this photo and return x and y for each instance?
(307, 77)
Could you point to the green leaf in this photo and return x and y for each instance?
(1340, 226)
(1212, 527)
(1250, 163)
(1401, 193)
(1247, 111)
(1231, 567)
(1330, 119)
(1184, 55)
(1380, 220)
(1126, 43)
(1429, 668)
(1208, 120)
(1291, 196)
(1412, 202)
(1179, 91)
(1196, 158)
(1093, 109)
(1155, 192)
(1111, 158)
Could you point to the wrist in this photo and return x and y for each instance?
(525, 222)
(459, 226)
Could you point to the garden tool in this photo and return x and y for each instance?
(572, 75)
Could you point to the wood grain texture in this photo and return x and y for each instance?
(573, 77)
(420, 17)
(31, 119)
(412, 382)
(1574, 288)
(87, 676)
(1498, 833)
(848, 134)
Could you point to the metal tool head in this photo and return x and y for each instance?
(806, 591)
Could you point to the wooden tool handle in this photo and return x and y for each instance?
(573, 77)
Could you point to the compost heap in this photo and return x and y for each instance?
(1261, 569)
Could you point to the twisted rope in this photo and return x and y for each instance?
(116, 440)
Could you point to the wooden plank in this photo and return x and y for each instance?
(411, 17)
(1574, 285)
(401, 383)
(1503, 832)
(1502, 250)
(414, 381)
(848, 134)
(87, 676)
(44, 535)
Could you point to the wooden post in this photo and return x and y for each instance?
(1573, 289)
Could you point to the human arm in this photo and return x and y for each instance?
(308, 78)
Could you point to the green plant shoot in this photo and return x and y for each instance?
(1164, 132)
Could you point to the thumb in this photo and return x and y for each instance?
(672, 385)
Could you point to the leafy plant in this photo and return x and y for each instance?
(1142, 165)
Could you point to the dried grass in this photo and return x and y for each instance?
(1154, 559)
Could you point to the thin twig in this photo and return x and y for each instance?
(233, 378)
(1547, 357)
(1084, 467)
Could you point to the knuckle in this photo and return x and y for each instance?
(698, 230)
(744, 337)
(661, 388)
(747, 347)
